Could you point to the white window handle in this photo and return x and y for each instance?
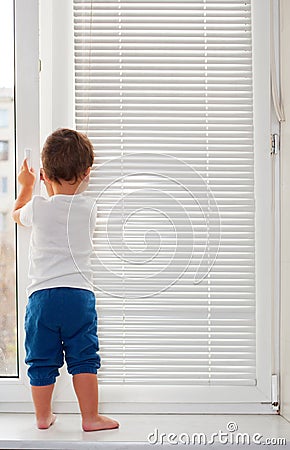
(27, 155)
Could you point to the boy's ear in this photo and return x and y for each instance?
(44, 177)
(86, 174)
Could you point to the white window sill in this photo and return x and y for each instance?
(19, 431)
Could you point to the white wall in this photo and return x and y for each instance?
(285, 212)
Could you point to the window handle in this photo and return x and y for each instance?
(27, 155)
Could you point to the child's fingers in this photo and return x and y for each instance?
(25, 164)
(26, 167)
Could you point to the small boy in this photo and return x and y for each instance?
(61, 318)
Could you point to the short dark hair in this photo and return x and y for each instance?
(66, 155)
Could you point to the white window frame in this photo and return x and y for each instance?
(15, 392)
(276, 200)
(56, 110)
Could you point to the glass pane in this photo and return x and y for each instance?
(8, 322)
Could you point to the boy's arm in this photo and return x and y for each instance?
(26, 178)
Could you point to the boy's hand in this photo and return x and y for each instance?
(26, 176)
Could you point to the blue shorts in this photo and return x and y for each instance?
(60, 323)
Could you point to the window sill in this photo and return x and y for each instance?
(18, 430)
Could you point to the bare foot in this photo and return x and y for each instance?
(99, 423)
(43, 424)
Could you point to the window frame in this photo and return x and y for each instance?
(36, 124)
(15, 392)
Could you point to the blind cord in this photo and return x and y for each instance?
(273, 70)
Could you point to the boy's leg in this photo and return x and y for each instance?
(80, 341)
(42, 403)
(44, 353)
(86, 388)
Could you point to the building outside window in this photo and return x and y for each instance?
(3, 216)
(3, 118)
(4, 185)
(8, 322)
(4, 150)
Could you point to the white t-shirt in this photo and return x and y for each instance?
(61, 241)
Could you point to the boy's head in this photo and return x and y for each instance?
(66, 155)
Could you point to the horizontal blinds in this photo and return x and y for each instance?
(164, 91)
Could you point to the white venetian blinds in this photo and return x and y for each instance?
(163, 89)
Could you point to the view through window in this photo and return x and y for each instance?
(8, 323)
